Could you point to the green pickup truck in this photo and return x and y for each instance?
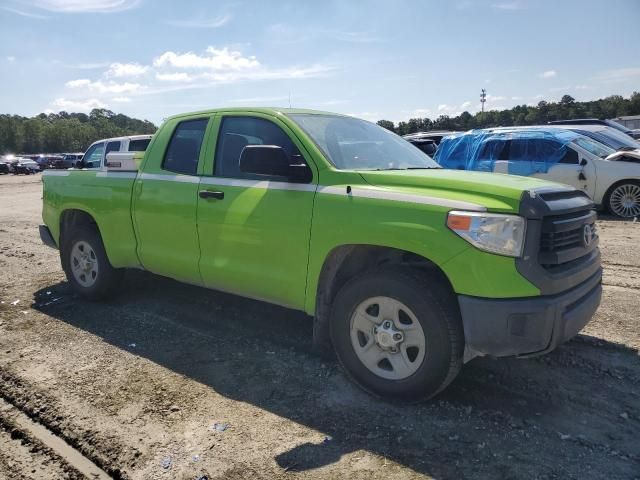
(407, 269)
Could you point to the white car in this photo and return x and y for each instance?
(611, 178)
(94, 157)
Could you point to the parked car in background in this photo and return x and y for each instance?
(45, 161)
(595, 121)
(67, 160)
(427, 145)
(610, 178)
(95, 155)
(434, 135)
(25, 166)
(608, 136)
(4, 168)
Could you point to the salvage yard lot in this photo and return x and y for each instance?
(174, 381)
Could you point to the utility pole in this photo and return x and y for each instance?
(483, 98)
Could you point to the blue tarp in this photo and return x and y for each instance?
(519, 152)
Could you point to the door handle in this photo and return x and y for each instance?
(209, 194)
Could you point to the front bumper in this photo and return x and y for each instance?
(46, 237)
(527, 326)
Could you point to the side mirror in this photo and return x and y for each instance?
(583, 163)
(265, 160)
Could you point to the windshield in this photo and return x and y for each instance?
(353, 144)
(594, 147)
(617, 126)
(616, 139)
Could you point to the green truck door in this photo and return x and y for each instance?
(254, 230)
(165, 203)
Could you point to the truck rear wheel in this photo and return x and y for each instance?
(398, 333)
(86, 265)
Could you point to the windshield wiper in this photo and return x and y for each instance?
(402, 169)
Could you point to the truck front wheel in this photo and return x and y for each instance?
(86, 265)
(397, 333)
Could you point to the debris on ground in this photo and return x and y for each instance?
(219, 427)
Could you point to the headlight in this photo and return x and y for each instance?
(491, 232)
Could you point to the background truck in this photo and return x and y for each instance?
(408, 270)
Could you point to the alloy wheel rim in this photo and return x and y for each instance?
(84, 264)
(387, 338)
(625, 200)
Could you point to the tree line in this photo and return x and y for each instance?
(74, 132)
(566, 108)
(65, 132)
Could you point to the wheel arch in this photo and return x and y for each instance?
(346, 261)
(71, 218)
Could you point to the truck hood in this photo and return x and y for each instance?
(496, 192)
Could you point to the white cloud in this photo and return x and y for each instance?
(174, 77)
(465, 105)
(507, 6)
(81, 6)
(275, 99)
(176, 71)
(267, 74)
(121, 99)
(619, 75)
(78, 105)
(516, 98)
(101, 87)
(89, 66)
(548, 74)
(23, 13)
(370, 116)
(442, 107)
(11, 59)
(215, 22)
(119, 70)
(419, 112)
(214, 59)
(582, 87)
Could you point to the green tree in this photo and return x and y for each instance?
(388, 124)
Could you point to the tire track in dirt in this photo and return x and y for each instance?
(41, 411)
(42, 441)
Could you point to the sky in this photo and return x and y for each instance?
(393, 59)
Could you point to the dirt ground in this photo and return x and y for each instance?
(171, 381)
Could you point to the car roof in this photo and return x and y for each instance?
(266, 110)
(553, 130)
(130, 137)
(430, 133)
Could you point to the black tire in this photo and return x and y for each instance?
(435, 307)
(107, 279)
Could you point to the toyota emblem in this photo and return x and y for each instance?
(587, 235)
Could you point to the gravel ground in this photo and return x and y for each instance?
(171, 381)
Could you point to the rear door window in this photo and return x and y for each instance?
(139, 145)
(183, 151)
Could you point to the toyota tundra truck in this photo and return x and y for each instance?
(407, 269)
